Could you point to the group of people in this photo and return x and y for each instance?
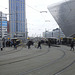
(9, 44)
(38, 44)
(48, 43)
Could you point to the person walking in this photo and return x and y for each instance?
(49, 44)
(11, 43)
(39, 44)
(15, 45)
(29, 44)
(72, 46)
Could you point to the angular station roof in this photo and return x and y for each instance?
(64, 14)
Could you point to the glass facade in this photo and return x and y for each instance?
(17, 17)
(3, 25)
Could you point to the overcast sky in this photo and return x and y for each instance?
(36, 21)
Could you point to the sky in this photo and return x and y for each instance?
(37, 22)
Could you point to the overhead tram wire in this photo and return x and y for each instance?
(37, 11)
(32, 8)
(3, 7)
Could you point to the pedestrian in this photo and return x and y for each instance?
(49, 44)
(15, 45)
(72, 45)
(39, 44)
(11, 43)
(29, 44)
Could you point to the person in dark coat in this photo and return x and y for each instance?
(72, 45)
(15, 45)
(39, 44)
(29, 44)
(11, 43)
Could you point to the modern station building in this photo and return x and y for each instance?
(64, 14)
(57, 33)
(3, 25)
(17, 18)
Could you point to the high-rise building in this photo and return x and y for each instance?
(17, 18)
(3, 25)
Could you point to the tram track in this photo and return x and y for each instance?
(40, 68)
(27, 58)
(11, 51)
(66, 67)
(45, 65)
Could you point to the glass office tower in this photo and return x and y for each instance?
(17, 18)
(3, 25)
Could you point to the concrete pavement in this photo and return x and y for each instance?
(45, 61)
